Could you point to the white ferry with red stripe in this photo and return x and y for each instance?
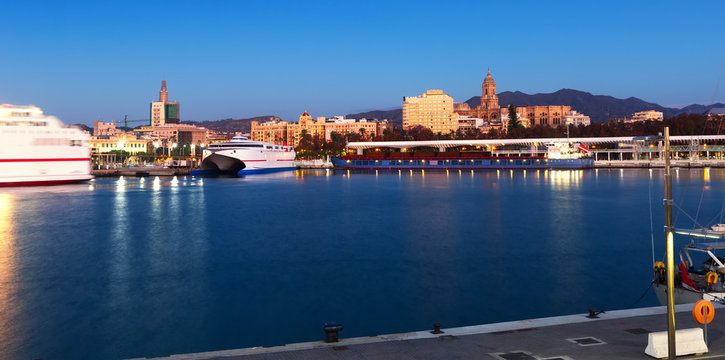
(38, 149)
(241, 156)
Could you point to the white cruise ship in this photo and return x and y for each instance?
(241, 156)
(39, 150)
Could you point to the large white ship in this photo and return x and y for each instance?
(39, 150)
(241, 156)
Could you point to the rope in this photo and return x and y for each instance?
(683, 211)
(641, 296)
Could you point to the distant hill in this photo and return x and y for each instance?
(599, 107)
(395, 116)
(232, 125)
(701, 109)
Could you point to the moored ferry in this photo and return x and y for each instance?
(559, 156)
(39, 150)
(241, 156)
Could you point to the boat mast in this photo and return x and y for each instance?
(671, 353)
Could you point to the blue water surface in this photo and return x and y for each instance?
(142, 267)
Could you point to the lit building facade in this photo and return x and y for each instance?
(489, 110)
(648, 115)
(282, 132)
(574, 118)
(163, 111)
(129, 144)
(432, 109)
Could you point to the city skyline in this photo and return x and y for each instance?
(88, 60)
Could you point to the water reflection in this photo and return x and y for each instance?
(563, 179)
(8, 308)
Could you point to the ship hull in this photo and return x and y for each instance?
(461, 164)
(38, 150)
(242, 162)
(685, 296)
(48, 181)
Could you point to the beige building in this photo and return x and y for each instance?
(648, 115)
(574, 118)
(126, 143)
(432, 109)
(105, 129)
(282, 132)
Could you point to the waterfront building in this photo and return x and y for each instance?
(341, 125)
(273, 131)
(432, 109)
(128, 143)
(105, 129)
(575, 119)
(648, 115)
(285, 133)
(489, 109)
(164, 111)
(182, 134)
(467, 122)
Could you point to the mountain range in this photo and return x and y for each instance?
(599, 108)
(232, 125)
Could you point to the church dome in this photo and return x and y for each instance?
(489, 79)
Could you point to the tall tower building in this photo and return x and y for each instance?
(163, 94)
(164, 111)
(489, 99)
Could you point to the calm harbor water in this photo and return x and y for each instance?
(137, 267)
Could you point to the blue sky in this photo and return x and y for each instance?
(80, 60)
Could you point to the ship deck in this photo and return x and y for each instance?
(615, 335)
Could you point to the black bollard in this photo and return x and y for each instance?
(436, 329)
(331, 330)
(593, 314)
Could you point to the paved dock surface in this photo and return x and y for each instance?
(613, 335)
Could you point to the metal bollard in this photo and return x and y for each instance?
(593, 314)
(331, 330)
(436, 329)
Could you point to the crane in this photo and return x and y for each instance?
(126, 121)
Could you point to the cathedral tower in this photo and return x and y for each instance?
(163, 94)
(489, 100)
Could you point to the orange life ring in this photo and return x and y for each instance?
(703, 312)
(711, 277)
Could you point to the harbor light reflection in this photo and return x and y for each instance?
(8, 268)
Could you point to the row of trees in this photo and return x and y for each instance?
(683, 124)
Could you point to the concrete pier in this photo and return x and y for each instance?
(618, 334)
